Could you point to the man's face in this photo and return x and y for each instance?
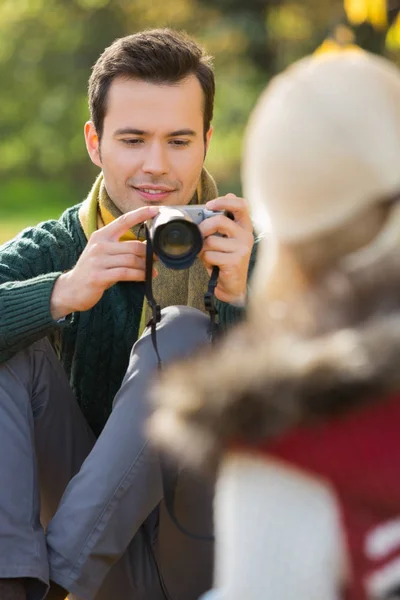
(152, 148)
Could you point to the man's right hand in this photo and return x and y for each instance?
(104, 261)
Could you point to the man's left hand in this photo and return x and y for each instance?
(231, 252)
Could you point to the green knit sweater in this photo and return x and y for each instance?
(94, 345)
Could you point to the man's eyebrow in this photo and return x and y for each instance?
(130, 130)
(182, 132)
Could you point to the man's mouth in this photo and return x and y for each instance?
(154, 194)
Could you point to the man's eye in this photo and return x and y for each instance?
(133, 141)
(180, 142)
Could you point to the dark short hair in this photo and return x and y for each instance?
(157, 56)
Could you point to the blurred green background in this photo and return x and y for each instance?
(47, 49)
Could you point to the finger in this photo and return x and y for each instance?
(223, 225)
(235, 205)
(219, 259)
(129, 247)
(111, 276)
(124, 260)
(220, 244)
(113, 231)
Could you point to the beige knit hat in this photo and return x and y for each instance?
(323, 144)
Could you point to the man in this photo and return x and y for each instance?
(80, 282)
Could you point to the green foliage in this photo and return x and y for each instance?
(35, 198)
(47, 49)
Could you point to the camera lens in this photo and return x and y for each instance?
(177, 239)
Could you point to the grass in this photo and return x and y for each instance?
(27, 201)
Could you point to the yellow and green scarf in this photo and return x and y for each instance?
(170, 287)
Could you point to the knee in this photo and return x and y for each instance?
(181, 331)
(31, 374)
(184, 319)
(26, 355)
(22, 363)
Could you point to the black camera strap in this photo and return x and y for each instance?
(209, 297)
(209, 301)
(155, 308)
(170, 474)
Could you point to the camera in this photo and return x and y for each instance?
(175, 235)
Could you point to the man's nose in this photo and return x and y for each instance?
(156, 160)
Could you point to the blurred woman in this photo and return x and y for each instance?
(299, 407)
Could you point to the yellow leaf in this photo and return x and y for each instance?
(377, 13)
(393, 35)
(373, 11)
(356, 11)
(330, 45)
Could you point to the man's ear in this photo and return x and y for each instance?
(208, 139)
(92, 143)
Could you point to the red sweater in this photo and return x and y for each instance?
(359, 456)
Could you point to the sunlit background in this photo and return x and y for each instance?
(47, 48)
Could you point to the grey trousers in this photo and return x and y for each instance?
(90, 514)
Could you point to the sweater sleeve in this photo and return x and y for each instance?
(29, 266)
(278, 533)
(228, 314)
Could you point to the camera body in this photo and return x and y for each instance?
(175, 234)
(198, 213)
